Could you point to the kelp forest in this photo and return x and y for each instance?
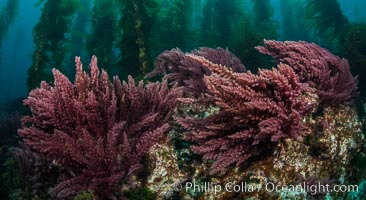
(182, 99)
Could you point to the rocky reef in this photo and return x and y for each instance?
(209, 130)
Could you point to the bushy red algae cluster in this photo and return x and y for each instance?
(97, 130)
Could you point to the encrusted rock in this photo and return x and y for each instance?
(165, 178)
(323, 157)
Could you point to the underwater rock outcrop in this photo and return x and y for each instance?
(256, 111)
(315, 145)
(296, 161)
(281, 126)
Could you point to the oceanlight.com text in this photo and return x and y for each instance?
(317, 188)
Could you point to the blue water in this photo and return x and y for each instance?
(16, 50)
(18, 46)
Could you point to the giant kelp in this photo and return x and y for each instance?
(352, 45)
(293, 21)
(262, 19)
(78, 35)
(49, 38)
(173, 27)
(7, 16)
(137, 19)
(326, 18)
(104, 25)
(249, 30)
(217, 19)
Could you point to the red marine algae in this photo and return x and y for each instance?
(96, 130)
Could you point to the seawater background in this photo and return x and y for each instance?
(17, 46)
